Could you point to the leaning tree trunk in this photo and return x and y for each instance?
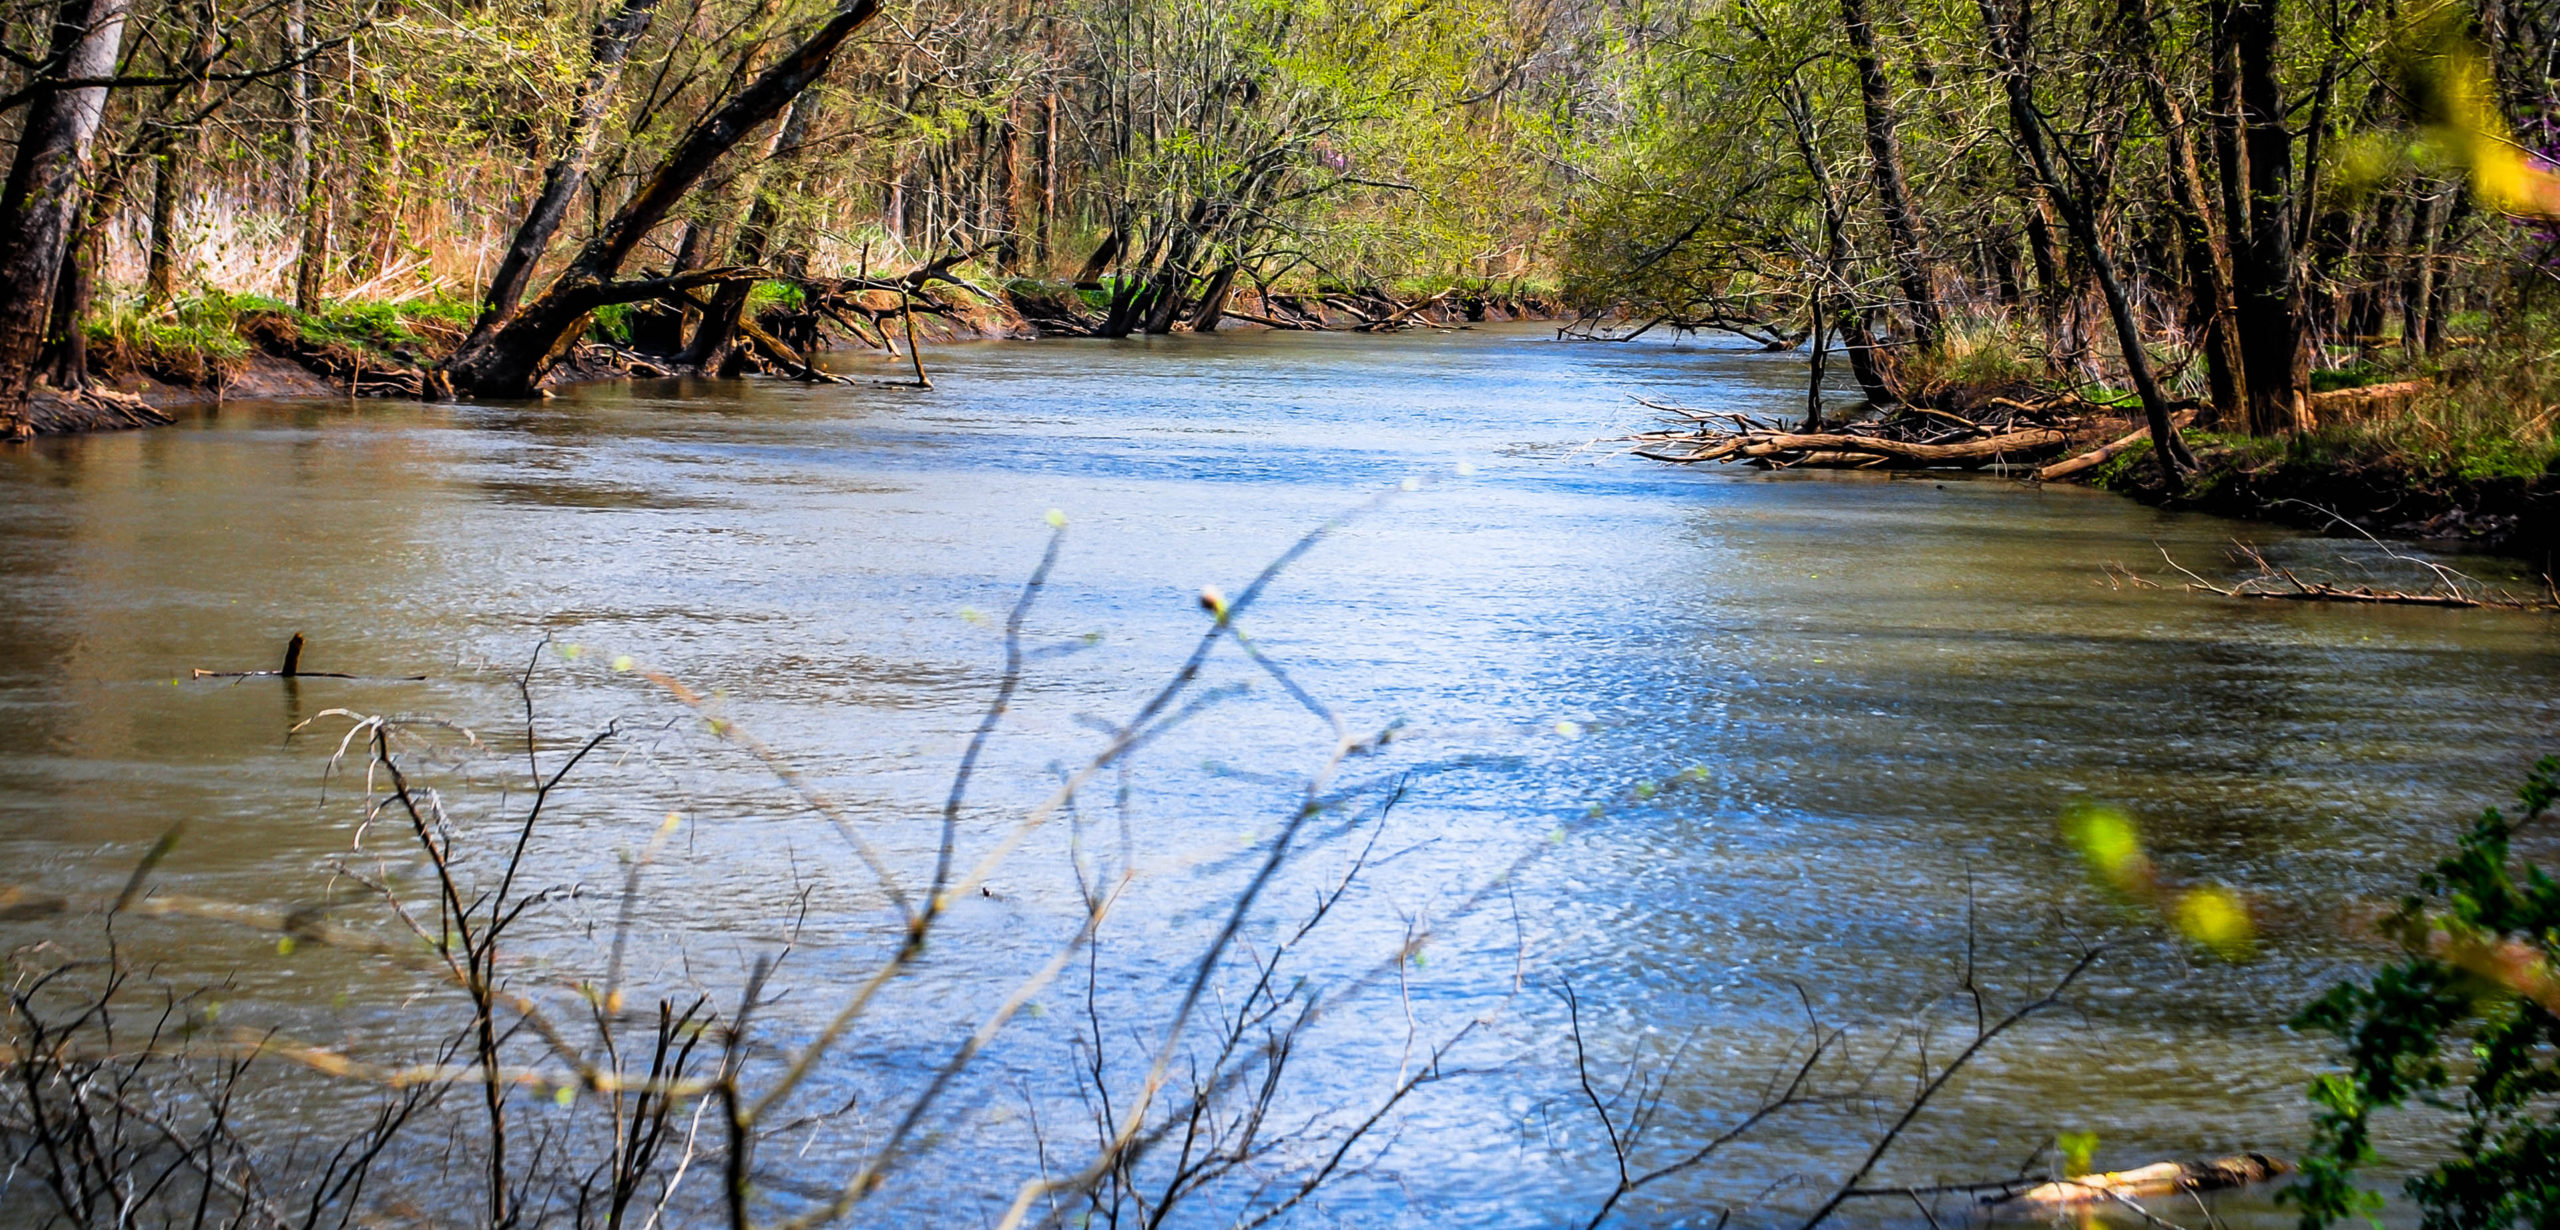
(607, 49)
(1213, 301)
(42, 196)
(2079, 215)
(1893, 195)
(513, 359)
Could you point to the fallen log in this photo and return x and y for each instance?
(2107, 452)
(2364, 402)
(1989, 448)
(2157, 1179)
(1267, 322)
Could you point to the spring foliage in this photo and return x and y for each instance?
(2464, 1021)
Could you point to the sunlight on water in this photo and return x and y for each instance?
(1783, 745)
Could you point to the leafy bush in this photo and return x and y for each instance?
(611, 323)
(2463, 1021)
(776, 294)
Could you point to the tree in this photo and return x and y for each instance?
(42, 198)
(512, 359)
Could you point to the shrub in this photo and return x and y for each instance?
(2463, 1020)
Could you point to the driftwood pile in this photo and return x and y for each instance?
(2002, 431)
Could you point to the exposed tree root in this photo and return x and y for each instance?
(92, 409)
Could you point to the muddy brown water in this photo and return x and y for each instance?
(1723, 751)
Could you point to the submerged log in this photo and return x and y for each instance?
(2157, 1179)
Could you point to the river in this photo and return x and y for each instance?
(1719, 750)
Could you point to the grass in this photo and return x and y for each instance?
(2488, 413)
(1976, 353)
(194, 340)
(198, 338)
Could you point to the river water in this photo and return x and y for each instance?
(1722, 752)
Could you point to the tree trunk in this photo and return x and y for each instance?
(607, 48)
(309, 265)
(2439, 298)
(1893, 196)
(2373, 272)
(1213, 301)
(42, 197)
(512, 361)
(2417, 281)
(2264, 285)
(1818, 340)
(1048, 176)
(1008, 219)
(69, 368)
(2052, 289)
(1103, 255)
(160, 269)
(718, 333)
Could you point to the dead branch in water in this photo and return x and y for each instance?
(2280, 583)
(2156, 1179)
(292, 669)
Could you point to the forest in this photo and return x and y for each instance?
(2219, 209)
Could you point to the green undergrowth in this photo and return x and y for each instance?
(193, 340)
(611, 323)
(2412, 446)
(768, 295)
(201, 337)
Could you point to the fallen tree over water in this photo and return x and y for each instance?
(2006, 431)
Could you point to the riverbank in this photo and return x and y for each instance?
(2317, 481)
(203, 351)
(2450, 464)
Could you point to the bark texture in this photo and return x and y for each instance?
(41, 200)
